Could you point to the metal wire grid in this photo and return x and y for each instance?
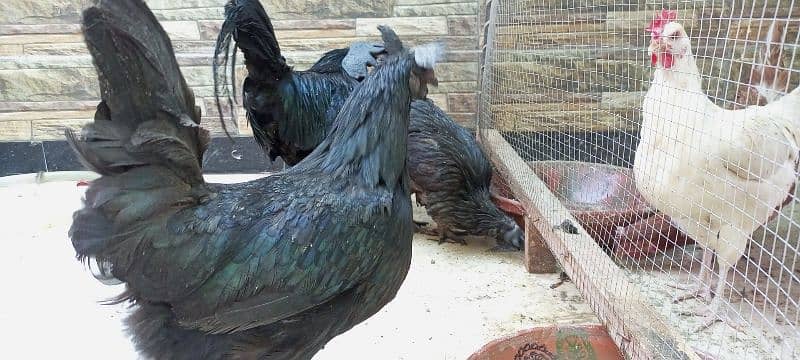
(565, 80)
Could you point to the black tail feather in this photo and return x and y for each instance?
(246, 23)
(125, 296)
(148, 114)
(145, 138)
(222, 52)
(143, 77)
(89, 232)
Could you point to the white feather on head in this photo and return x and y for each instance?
(427, 55)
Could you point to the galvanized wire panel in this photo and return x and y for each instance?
(565, 82)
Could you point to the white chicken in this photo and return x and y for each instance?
(717, 173)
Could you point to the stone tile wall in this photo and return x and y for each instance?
(47, 81)
(565, 66)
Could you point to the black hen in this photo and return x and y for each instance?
(270, 269)
(450, 176)
(289, 111)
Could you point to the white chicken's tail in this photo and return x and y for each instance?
(788, 109)
(788, 105)
(793, 102)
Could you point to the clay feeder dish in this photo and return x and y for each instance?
(601, 197)
(553, 342)
(604, 199)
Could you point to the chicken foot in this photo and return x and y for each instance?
(443, 234)
(711, 312)
(421, 227)
(503, 248)
(419, 224)
(447, 235)
(702, 288)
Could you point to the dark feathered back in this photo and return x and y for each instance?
(373, 147)
(451, 175)
(330, 62)
(454, 143)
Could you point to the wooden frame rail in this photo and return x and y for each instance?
(631, 320)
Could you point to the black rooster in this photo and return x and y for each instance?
(270, 269)
(450, 176)
(458, 182)
(289, 111)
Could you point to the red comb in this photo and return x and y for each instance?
(656, 26)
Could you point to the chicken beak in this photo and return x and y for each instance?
(654, 49)
(654, 45)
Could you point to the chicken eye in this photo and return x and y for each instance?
(674, 36)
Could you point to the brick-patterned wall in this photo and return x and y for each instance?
(47, 80)
(564, 66)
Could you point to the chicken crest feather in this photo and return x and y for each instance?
(656, 26)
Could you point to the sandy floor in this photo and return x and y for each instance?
(455, 299)
(760, 336)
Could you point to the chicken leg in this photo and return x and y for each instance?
(702, 288)
(730, 244)
(452, 236)
(442, 233)
(711, 312)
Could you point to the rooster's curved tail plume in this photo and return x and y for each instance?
(248, 25)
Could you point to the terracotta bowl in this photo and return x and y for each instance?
(604, 199)
(552, 342)
(648, 237)
(601, 197)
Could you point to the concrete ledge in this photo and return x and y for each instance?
(242, 155)
(56, 176)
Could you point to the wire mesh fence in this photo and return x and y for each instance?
(675, 148)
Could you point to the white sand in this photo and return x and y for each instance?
(455, 299)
